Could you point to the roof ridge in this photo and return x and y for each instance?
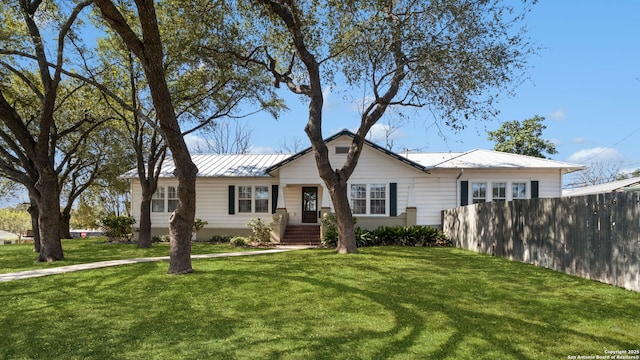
(455, 157)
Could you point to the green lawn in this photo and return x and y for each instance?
(385, 303)
(21, 257)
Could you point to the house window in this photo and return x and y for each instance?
(253, 199)
(369, 199)
(262, 199)
(342, 150)
(377, 198)
(157, 200)
(479, 192)
(499, 191)
(172, 198)
(519, 190)
(359, 198)
(244, 199)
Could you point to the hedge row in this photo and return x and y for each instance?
(395, 236)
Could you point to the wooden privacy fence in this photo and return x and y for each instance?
(595, 236)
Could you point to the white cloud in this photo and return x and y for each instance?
(261, 150)
(579, 140)
(195, 144)
(378, 133)
(557, 115)
(596, 154)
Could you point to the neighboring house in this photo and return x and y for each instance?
(386, 188)
(632, 184)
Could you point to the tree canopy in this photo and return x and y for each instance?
(524, 138)
(454, 57)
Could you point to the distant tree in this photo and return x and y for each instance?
(294, 146)
(15, 221)
(632, 174)
(598, 172)
(224, 137)
(524, 138)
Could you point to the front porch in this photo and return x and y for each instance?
(301, 208)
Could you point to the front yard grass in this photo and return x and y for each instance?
(384, 303)
(20, 257)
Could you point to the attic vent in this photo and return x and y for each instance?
(342, 149)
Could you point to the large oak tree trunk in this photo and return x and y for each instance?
(144, 234)
(346, 228)
(49, 217)
(149, 52)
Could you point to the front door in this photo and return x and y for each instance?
(309, 204)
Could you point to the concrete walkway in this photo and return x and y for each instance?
(102, 264)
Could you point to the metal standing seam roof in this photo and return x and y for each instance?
(620, 185)
(490, 159)
(261, 165)
(223, 165)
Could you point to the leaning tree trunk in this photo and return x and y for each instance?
(150, 53)
(49, 217)
(144, 234)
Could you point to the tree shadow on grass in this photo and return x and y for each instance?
(316, 305)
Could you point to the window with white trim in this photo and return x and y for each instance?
(519, 190)
(369, 199)
(478, 192)
(253, 199)
(157, 200)
(499, 192)
(378, 199)
(262, 199)
(359, 198)
(244, 199)
(172, 198)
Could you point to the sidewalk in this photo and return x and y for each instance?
(102, 264)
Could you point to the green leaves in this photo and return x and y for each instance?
(524, 138)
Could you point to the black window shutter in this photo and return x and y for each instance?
(232, 199)
(464, 193)
(535, 191)
(274, 198)
(393, 198)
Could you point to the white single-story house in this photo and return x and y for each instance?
(386, 188)
(631, 184)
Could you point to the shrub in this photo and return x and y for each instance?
(198, 224)
(117, 228)
(387, 235)
(238, 241)
(220, 239)
(404, 236)
(330, 225)
(165, 238)
(260, 232)
(156, 239)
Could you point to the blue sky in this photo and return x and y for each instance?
(585, 81)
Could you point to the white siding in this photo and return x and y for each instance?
(211, 203)
(374, 167)
(441, 189)
(430, 192)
